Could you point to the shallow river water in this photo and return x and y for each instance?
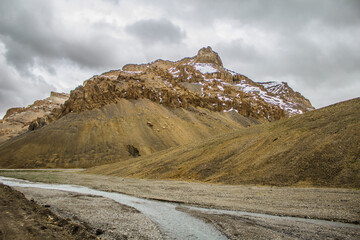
(173, 224)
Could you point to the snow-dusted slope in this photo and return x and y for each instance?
(199, 81)
(293, 102)
(214, 79)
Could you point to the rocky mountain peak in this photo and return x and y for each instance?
(207, 55)
(199, 81)
(193, 82)
(18, 120)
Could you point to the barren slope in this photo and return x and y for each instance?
(113, 133)
(143, 109)
(319, 148)
(24, 219)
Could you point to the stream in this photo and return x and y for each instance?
(172, 223)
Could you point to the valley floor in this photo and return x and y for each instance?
(107, 218)
(340, 205)
(24, 219)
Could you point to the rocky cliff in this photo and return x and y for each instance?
(199, 81)
(143, 109)
(19, 120)
(127, 129)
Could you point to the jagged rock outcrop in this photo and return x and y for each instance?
(200, 81)
(19, 120)
(299, 104)
(127, 129)
(143, 109)
(38, 123)
(207, 55)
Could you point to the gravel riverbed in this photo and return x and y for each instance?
(316, 203)
(334, 204)
(107, 218)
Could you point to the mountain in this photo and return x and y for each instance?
(200, 81)
(318, 148)
(146, 108)
(18, 120)
(127, 129)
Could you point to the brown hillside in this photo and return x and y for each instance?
(319, 148)
(113, 133)
(199, 81)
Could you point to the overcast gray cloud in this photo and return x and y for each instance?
(56, 45)
(152, 31)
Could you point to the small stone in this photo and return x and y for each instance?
(99, 231)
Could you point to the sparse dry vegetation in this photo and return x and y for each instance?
(319, 148)
(103, 135)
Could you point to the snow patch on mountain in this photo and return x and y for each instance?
(205, 68)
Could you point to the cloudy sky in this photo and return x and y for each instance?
(56, 45)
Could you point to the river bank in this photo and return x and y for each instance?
(121, 222)
(246, 226)
(24, 219)
(173, 224)
(109, 219)
(319, 203)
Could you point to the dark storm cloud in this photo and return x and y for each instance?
(30, 33)
(275, 14)
(313, 45)
(33, 36)
(25, 34)
(156, 31)
(14, 92)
